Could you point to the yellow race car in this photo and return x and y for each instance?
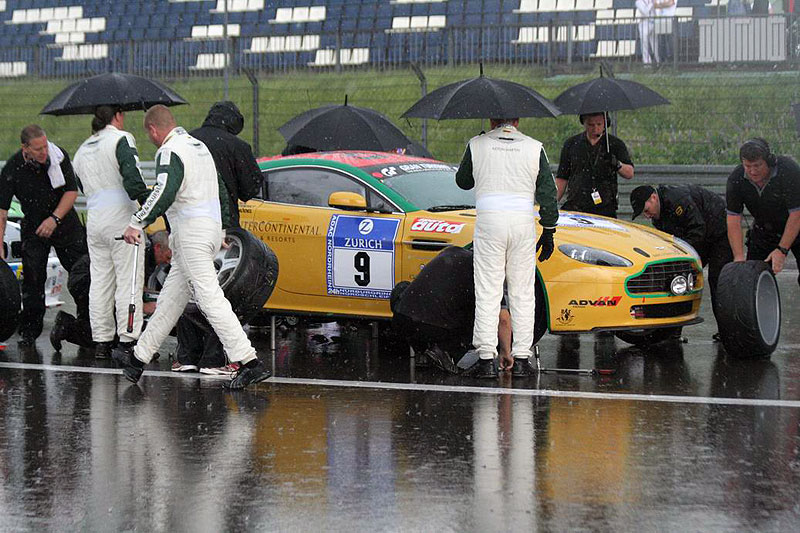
(349, 225)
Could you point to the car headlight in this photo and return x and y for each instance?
(593, 256)
(688, 248)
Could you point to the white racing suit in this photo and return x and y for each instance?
(107, 166)
(188, 191)
(506, 168)
(645, 11)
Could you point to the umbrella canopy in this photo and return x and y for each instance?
(344, 127)
(606, 94)
(126, 91)
(482, 97)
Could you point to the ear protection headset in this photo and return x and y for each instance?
(761, 148)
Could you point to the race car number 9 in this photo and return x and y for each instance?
(361, 264)
(361, 256)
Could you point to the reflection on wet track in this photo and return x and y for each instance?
(350, 435)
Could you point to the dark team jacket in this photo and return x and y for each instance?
(693, 214)
(233, 157)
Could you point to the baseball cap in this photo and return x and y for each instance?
(639, 196)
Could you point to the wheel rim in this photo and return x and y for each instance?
(768, 308)
(227, 260)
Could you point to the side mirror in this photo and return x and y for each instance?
(350, 201)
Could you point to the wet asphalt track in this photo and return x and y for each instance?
(351, 437)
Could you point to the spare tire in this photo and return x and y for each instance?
(10, 300)
(247, 271)
(748, 309)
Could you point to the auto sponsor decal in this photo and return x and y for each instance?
(431, 225)
(399, 168)
(360, 256)
(603, 301)
(574, 220)
(566, 317)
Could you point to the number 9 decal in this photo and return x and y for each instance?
(361, 264)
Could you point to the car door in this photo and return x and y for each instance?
(330, 260)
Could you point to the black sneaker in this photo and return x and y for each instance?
(482, 369)
(247, 375)
(59, 331)
(441, 359)
(131, 367)
(102, 350)
(523, 368)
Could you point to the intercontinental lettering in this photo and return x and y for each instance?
(282, 227)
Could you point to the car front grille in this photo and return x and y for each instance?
(661, 310)
(657, 277)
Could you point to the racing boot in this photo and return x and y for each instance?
(60, 328)
(253, 371)
(482, 369)
(102, 350)
(523, 368)
(131, 367)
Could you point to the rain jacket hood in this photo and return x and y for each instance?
(225, 115)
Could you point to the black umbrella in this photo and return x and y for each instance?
(344, 127)
(482, 97)
(606, 94)
(126, 91)
(796, 109)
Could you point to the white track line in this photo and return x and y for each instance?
(549, 393)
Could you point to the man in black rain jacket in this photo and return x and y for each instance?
(233, 157)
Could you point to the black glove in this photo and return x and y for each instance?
(545, 244)
(611, 162)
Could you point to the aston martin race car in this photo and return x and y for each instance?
(347, 226)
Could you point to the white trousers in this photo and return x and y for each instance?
(647, 34)
(194, 243)
(504, 246)
(111, 272)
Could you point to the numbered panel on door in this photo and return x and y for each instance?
(361, 255)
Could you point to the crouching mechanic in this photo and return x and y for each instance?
(436, 311)
(509, 171)
(189, 192)
(694, 214)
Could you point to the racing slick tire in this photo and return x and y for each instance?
(646, 337)
(10, 300)
(748, 309)
(247, 271)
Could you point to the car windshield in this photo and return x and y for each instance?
(432, 191)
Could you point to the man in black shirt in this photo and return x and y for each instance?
(40, 175)
(693, 214)
(769, 186)
(588, 168)
(436, 311)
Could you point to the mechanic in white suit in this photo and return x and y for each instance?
(191, 194)
(645, 11)
(509, 171)
(107, 167)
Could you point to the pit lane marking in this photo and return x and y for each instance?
(545, 393)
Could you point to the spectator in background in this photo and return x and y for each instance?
(589, 166)
(41, 176)
(233, 157)
(645, 12)
(665, 11)
(107, 167)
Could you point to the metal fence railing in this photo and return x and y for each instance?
(559, 43)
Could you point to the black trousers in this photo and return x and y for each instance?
(422, 336)
(70, 245)
(602, 210)
(197, 343)
(761, 243)
(715, 257)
